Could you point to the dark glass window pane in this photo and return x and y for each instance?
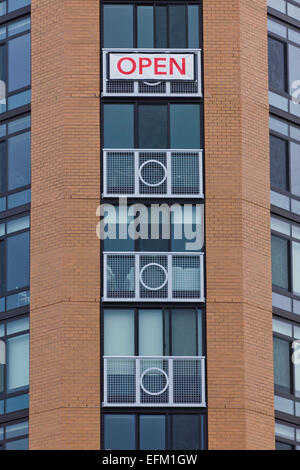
(152, 244)
(177, 26)
(277, 63)
(2, 267)
(152, 432)
(2, 64)
(2, 167)
(118, 126)
(282, 363)
(2, 376)
(19, 62)
(16, 4)
(161, 27)
(20, 444)
(193, 25)
(295, 168)
(283, 446)
(279, 162)
(119, 432)
(280, 264)
(153, 126)
(185, 126)
(186, 432)
(184, 332)
(17, 261)
(145, 33)
(118, 25)
(19, 161)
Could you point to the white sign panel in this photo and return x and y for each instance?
(128, 66)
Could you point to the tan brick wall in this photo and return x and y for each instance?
(65, 257)
(239, 332)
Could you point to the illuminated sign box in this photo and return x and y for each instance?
(149, 66)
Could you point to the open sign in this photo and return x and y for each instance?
(150, 66)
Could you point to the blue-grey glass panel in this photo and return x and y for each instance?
(161, 38)
(282, 359)
(17, 300)
(19, 124)
(18, 27)
(3, 8)
(152, 432)
(118, 25)
(279, 162)
(15, 430)
(20, 402)
(277, 28)
(18, 224)
(17, 326)
(19, 62)
(2, 204)
(3, 78)
(119, 432)
(3, 179)
(19, 444)
(185, 126)
(2, 304)
(19, 199)
(284, 405)
(16, 4)
(184, 332)
(280, 200)
(279, 126)
(17, 261)
(118, 126)
(193, 26)
(279, 5)
(1, 413)
(296, 307)
(145, 30)
(293, 11)
(278, 101)
(186, 432)
(280, 268)
(177, 26)
(295, 168)
(19, 160)
(277, 61)
(20, 99)
(152, 126)
(295, 206)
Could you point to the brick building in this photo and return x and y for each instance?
(110, 108)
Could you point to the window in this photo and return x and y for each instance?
(284, 68)
(154, 431)
(277, 64)
(14, 365)
(152, 126)
(151, 26)
(285, 255)
(279, 163)
(153, 332)
(7, 6)
(15, 163)
(15, 76)
(287, 436)
(147, 229)
(14, 436)
(286, 370)
(14, 272)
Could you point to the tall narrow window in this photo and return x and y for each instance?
(279, 163)
(277, 65)
(282, 360)
(280, 262)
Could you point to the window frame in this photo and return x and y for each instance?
(136, 3)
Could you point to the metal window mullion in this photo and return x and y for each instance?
(105, 276)
(199, 73)
(170, 277)
(137, 276)
(171, 382)
(104, 63)
(169, 174)
(168, 88)
(203, 381)
(105, 381)
(200, 173)
(202, 276)
(105, 175)
(136, 173)
(136, 88)
(137, 381)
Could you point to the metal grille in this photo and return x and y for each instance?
(186, 277)
(148, 88)
(120, 276)
(120, 178)
(148, 173)
(154, 381)
(153, 277)
(186, 173)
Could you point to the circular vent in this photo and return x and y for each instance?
(153, 276)
(153, 173)
(154, 381)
